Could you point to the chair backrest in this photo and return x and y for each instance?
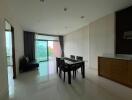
(72, 57)
(57, 62)
(62, 64)
(79, 58)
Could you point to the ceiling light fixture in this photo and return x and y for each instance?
(65, 9)
(82, 17)
(66, 27)
(42, 0)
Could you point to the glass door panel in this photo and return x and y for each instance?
(41, 52)
(9, 47)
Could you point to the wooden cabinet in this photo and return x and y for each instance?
(130, 73)
(107, 69)
(119, 70)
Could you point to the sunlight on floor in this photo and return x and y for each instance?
(46, 68)
(10, 81)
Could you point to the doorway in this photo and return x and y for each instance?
(10, 55)
(10, 47)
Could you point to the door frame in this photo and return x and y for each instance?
(13, 52)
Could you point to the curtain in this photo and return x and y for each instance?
(29, 45)
(57, 49)
(61, 40)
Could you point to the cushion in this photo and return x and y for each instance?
(27, 59)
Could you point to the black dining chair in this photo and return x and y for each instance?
(57, 64)
(72, 57)
(78, 58)
(63, 67)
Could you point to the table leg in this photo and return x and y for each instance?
(69, 77)
(83, 70)
(60, 73)
(57, 69)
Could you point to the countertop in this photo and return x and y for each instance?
(118, 57)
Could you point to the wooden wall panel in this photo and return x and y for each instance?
(123, 24)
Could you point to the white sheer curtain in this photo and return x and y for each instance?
(57, 49)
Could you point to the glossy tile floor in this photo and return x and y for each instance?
(10, 80)
(44, 84)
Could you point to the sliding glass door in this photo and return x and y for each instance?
(47, 48)
(41, 52)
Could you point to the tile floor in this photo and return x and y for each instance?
(44, 84)
(10, 80)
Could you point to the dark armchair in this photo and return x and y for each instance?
(26, 65)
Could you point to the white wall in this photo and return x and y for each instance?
(101, 41)
(96, 39)
(3, 68)
(18, 34)
(18, 48)
(77, 43)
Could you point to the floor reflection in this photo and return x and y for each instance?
(10, 81)
(47, 68)
(45, 73)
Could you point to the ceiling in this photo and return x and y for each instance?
(49, 17)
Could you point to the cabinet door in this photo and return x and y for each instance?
(119, 71)
(130, 73)
(105, 65)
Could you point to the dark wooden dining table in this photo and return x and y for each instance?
(72, 65)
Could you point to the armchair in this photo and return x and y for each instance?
(26, 65)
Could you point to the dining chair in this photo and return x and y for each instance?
(57, 64)
(63, 67)
(78, 58)
(72, 57)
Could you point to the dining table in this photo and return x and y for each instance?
(73, 65)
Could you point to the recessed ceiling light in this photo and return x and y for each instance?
(82, 17)
(66, 27)
(42, 0)
(65, 9)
